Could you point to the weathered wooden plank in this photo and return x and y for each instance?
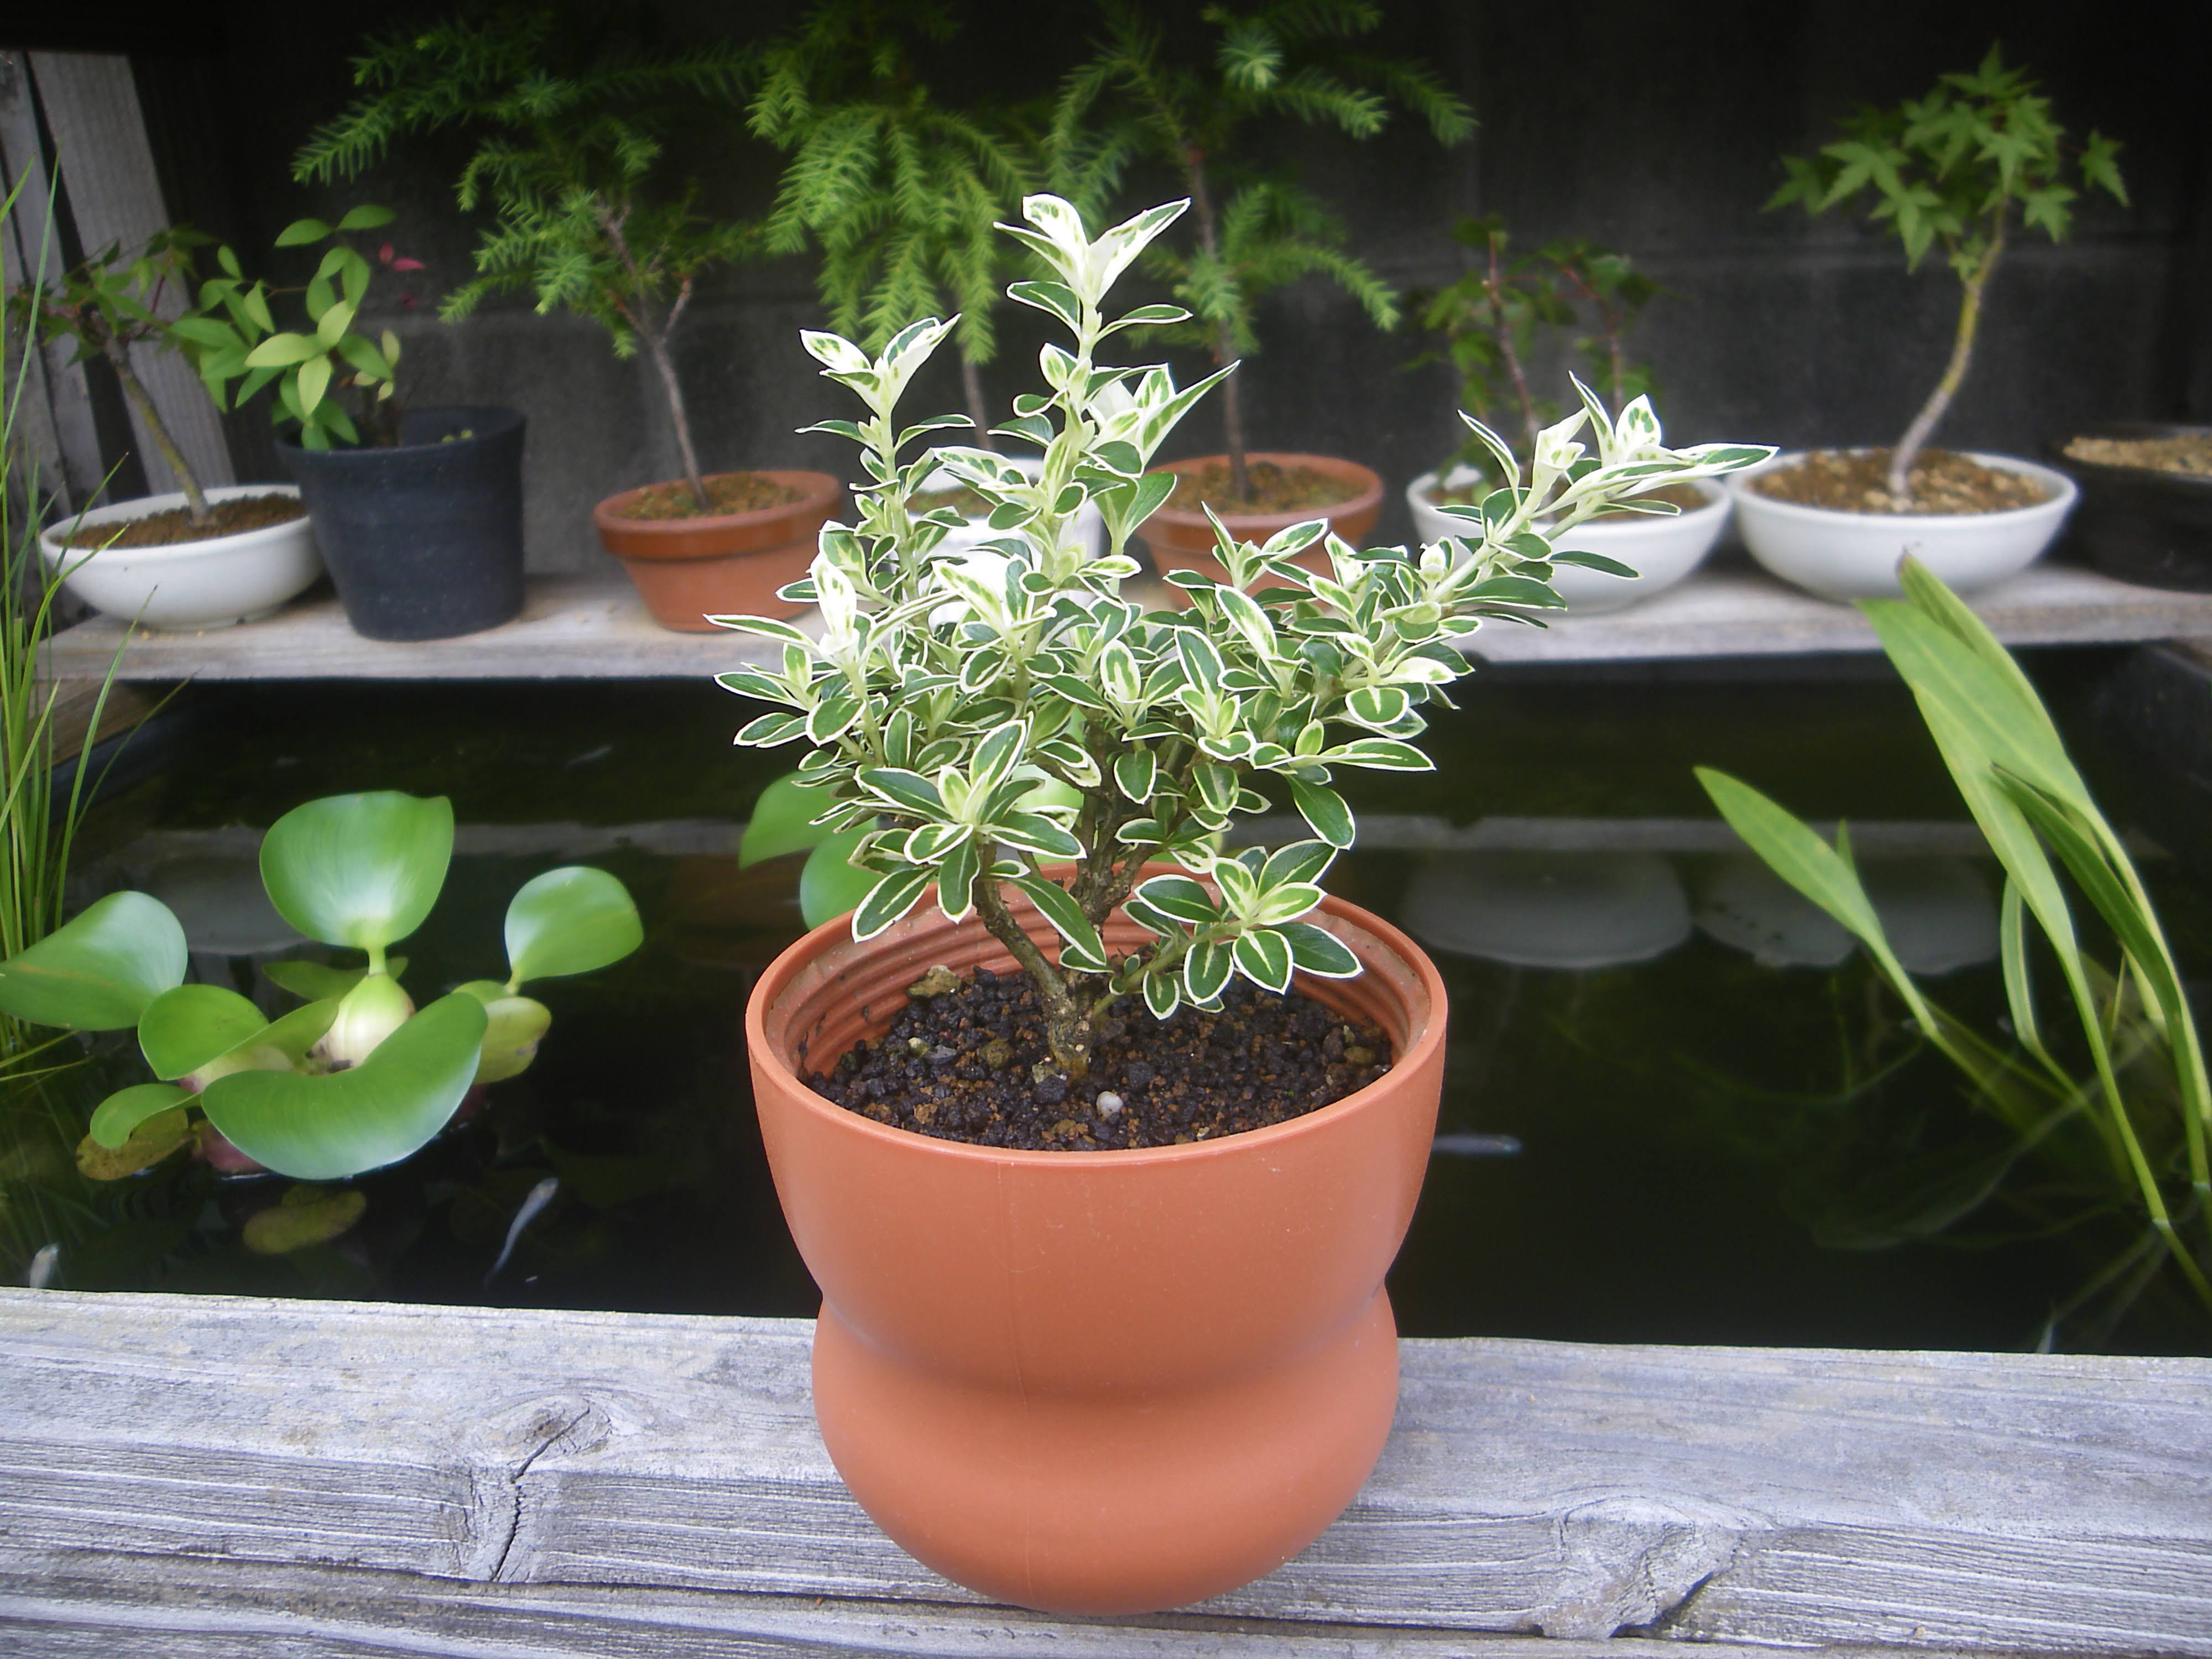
(2020, 1503)
(115, 198)
(594, 627)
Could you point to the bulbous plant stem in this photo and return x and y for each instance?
(1954, 373)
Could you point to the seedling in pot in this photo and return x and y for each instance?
(1954, 171)
(355, 1079)
(943, 693)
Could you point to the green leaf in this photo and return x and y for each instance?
(1135, 773)
(569, 920)
(1163, 992)
(367, 217)
(304, 1218)
(282, 351)
(361, 870)
(891, 898)
(1316, 951)
(325, 1128)
(100, 971)
(118, 1118)
(1264, 957)
(300, 232)
(1059, 908)
(1206, 969)
(830, 883)
(315, 380)
(1181, 898)
(909, 792)
(1324, 811)
(779, 823)
(513, 1027)
(315, 980)
(184, 1029)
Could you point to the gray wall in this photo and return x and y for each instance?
(1606, 120)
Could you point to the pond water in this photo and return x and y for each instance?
(1678, 1109)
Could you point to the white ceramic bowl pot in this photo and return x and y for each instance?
(1854, 556)
(1090, 525)
(187, 584)
(1662, 550)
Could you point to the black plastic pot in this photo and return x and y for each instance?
(423, 539)
(2138, 523)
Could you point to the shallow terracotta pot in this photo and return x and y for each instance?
(1181, 540)
(689, 569)
(1097, 1383)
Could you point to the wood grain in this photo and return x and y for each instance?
(594, 628)
(230, 1471)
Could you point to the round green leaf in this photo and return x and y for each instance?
(569, 920)
(513, 1027)
(157, 1138)
(99, 972)
(779, 823)
(359, 869)
(118, 1118)
(304, 1217)
(183, 1029)
(325, 1128)
(829, 884)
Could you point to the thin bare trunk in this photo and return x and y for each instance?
(657, 344)
(979, 411)
(1502, 335)
(1939, 401)
(638, 313)
(195, 505)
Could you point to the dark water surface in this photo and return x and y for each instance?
(1724, 1133)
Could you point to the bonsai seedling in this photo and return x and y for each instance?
(1954, 171)
(901, 191)
(357, 1078)
(1491, 320)
(568, 167)
(1253, 233)
(978, 719)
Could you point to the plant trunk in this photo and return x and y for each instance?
(195, 505)
(1962, 350)
(657, 344)
(979, 411)
(1067, 1027)
(1224, 336)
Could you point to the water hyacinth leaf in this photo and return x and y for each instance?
(118, 1118)
(1264, 957)
(303, 1217)
(318, 981)
(570, 921)
(184, 1029)
(829, 884)
(100, 971)
(159, 1137)
(513, 1027)
(780, 822)
(1316, 951)
(361, 870)
(370, 1115)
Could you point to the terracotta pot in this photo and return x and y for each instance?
(1097, 1383)
(689, 569)
(1184, 540)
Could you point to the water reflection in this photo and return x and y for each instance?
(1543, 910)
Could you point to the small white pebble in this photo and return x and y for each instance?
(1110, 1105)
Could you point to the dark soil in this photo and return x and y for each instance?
(1685, 497)
(727, 492)
(1941, 482)
(2190, 453)
(1275, 489)
(175, 525)
(968, 1065)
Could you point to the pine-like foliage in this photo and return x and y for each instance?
(899, 191)
(569, 137)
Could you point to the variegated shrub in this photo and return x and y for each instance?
(985, 716)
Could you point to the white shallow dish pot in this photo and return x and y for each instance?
(203, 584)
(1661, 549)
(1854, 556)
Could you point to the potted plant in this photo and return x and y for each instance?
(200, 557)
(419, 511)
(354, 1078)
(568, 169)
(1490, 321)
(901, 194)
(1099, 1140)
(2146, 511)
(1283, 60)
(1952, 171)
